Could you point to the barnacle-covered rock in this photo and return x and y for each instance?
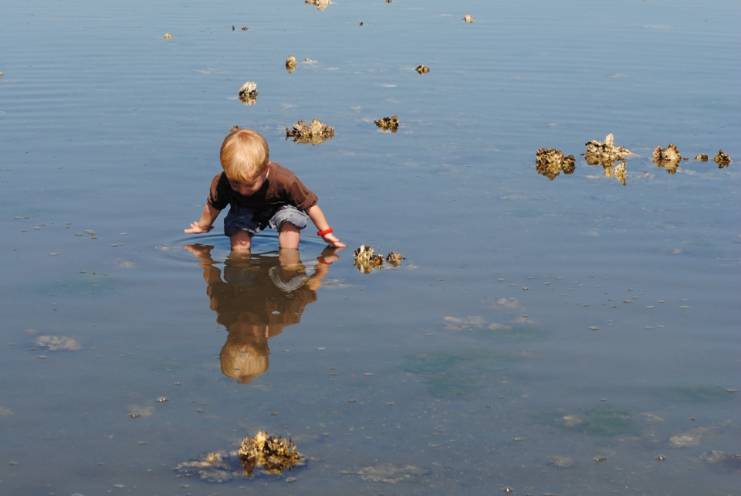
(550, 162)
(422, 69)
(272, 454)
(291, 63)
(722, 159)
(315, 132)
(389, 123)
(395, 258)
(468, 19)
(319, 4)
(702, 157)
(667, 158)
(605, 153)
(248, 93)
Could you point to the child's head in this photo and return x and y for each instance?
(244, 155)
(243, 359)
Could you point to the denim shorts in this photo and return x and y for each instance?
(244, 219)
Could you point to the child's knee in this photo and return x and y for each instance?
(241, 241)
(287, 226)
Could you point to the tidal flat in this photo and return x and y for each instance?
(570, 333)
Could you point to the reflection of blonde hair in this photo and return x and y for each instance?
(244, 155)
(242, 361)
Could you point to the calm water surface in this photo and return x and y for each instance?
(535, 327)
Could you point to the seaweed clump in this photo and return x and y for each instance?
(291, 64)
(667, 158)
(274, 455)
(422, 69)
(550, 162)
(389, 123)
(367, 260)
(315, 132)
(248, 93)
(722, 159)
(605, 153)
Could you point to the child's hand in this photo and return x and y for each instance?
(196, 228)
(329, 255)
(334, 241)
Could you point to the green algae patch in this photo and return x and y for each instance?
(698, 394)
(455, 375)
(602, 420)
(87, 284)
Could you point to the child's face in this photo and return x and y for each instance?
(245, 188)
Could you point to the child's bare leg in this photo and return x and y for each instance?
(289, 258)
(289, 236)
(241, 242)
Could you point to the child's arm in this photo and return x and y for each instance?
(215, 202)
(204, 222)
(320, 221)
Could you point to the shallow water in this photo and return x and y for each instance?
(573, 318)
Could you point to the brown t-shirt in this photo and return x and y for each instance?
(282, 187)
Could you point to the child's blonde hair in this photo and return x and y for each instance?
(244, 362)
(244, 155)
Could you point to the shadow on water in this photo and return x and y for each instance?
(255, 297)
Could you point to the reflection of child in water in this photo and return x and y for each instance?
(259, 296)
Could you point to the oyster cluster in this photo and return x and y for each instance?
(609, 156)
(667, 158)
(422, 69)
(272, 454)
(389, 123)
(291, 63)
(248, 93)
(620, 173)
(722, 159)
(605, 153)
(315, 132)
(550, 162)
(319, 4)
(367, 260)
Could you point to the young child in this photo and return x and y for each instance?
(255, 298)
(260, 194)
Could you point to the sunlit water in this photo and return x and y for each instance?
(576, 318)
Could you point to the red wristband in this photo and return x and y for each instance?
(323, 232)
